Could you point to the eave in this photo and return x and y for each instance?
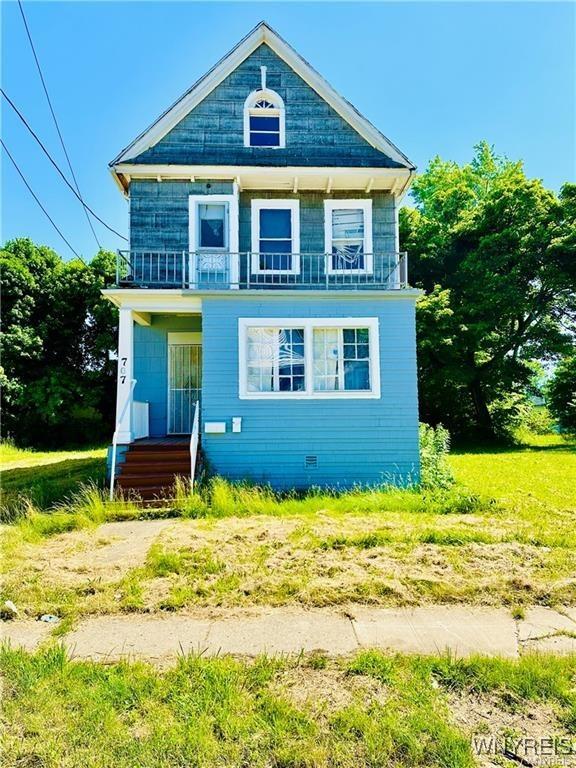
(291, 179)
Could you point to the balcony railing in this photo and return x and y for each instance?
(219, 270)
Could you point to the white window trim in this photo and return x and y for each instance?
(294, 207)
(366, 206)
(309, 324)
(278, 110)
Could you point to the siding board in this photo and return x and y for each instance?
(212, 133)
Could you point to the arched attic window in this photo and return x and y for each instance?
(264, 118)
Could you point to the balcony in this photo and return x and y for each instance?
(219, 270)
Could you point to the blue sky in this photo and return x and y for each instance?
(434, 77)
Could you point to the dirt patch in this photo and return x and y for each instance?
(324, 691)
(484, 717)
(104, 555)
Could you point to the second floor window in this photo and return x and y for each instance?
(264, 120)
(275, 236)
(348, 235)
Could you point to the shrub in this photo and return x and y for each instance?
(435, 471)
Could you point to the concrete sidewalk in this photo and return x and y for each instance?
(431, 629)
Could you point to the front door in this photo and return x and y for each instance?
(184, 386)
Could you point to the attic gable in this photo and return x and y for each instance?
(205, 125)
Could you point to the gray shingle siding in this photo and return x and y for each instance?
(213, 132)
(159, 215)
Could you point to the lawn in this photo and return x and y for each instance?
(543, 472)
(45, 478)
(505, 535)
(306, 711)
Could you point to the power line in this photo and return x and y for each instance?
(56, 122)
(15, 164)
(49, 156)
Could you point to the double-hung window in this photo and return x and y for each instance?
(348, 236)
(309, 358)
(275, 236)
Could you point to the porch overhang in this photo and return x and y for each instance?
(145, 302)
(290, 179)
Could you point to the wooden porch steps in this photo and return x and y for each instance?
(151, 467)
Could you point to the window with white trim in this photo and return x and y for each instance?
(348, 235)
(309, 358)
(264, 120)
(275, 236)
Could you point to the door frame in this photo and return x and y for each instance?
(233, 233)
(182, 338)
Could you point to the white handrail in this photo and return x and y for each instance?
(194, 443)
(115, 438)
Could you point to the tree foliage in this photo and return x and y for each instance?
(58, 385)
(495, 253)
(561, 393)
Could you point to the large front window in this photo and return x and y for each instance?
(275, 236)
(348, 235)
(309, 358)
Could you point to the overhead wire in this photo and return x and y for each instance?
(56, 166)
(51, 220)
(45, 87)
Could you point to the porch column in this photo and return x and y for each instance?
(124, 392)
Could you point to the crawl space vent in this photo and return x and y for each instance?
(311, 462)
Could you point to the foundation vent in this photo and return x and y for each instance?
(310, 462)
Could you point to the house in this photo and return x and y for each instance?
(263, 282)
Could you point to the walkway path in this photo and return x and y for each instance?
(429, 629)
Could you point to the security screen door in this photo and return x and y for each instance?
(184, 386)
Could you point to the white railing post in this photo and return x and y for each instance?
(194, 443)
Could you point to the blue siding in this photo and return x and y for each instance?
(213, 132)
(356, 441)
(151, 364)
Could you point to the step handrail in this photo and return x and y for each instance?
(115, 437)
(194, 437)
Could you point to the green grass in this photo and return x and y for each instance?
(302, 712)
(538, 475)
(504, 535)
(45, 478)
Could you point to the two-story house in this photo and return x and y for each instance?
(264, 283)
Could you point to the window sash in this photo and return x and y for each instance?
(275, 236)
(275, 359)
(341, 356)
(264, 128)
(212, 212)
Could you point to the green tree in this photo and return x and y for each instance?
(495, 253)
(561, 393)
(58, 385)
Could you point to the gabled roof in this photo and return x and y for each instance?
(262, 33)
